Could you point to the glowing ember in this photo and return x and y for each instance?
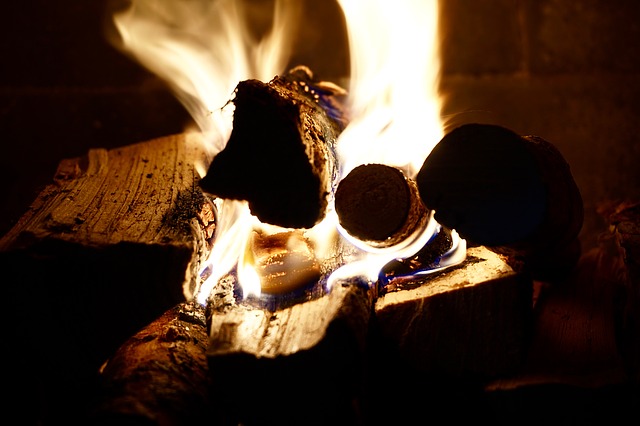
(204, 48)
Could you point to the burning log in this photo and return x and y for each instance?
(280, 156)
(159, 375)
(118, 239)
(269, 366)
(513, 194)
(470, 320)
(379, 205)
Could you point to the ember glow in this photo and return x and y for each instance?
(204, 48)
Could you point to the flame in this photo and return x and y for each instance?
(395, 105)
(203, 48)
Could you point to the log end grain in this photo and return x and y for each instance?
(379, 205)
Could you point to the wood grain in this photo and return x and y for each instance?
(472, 319)
(116, 240)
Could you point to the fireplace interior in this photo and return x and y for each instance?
(568, 72)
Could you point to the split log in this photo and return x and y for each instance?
(117, 240)
(301, 364)
(379, 205)
(159, 375)
(575, 348)
(280, 155)
(470, 320)
(513, 194)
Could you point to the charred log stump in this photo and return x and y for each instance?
(280, 155)
(117, 240)
(513, 194)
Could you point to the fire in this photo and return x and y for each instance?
(203, 48)
(395, 104)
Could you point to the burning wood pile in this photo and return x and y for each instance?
(290, 283)
(315, 330)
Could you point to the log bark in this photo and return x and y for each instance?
(280, 155)
(115, 241)
(513, 194)
(379, 205)
(159, 375)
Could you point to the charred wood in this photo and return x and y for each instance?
(280, 155)
(514, 194)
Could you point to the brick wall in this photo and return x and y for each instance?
(566, 71)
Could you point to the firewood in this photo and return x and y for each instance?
(574, 341)
(471, 320)
(160, 374)
(379, 205)
(269, 366)
(280, 155)
(624, 225)
(115, 241)
(513, 194)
